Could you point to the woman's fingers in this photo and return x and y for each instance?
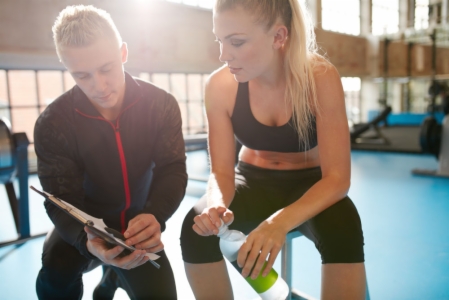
(248, 254)
(201, 229)
(198, 230)
(254, 253)
(209, 221)
(211, 228)
(243, 252)
(260, 261)
(228, 217)
(273, 254)
(251, 258)
(214, 215)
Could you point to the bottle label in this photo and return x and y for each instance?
(260, 284)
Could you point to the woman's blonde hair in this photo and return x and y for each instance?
(81, 25)
(300, 54)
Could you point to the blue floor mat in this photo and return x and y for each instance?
(405, 221)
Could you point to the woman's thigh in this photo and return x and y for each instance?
(337, 233)
(252, 204)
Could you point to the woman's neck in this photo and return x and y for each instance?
(274, 76)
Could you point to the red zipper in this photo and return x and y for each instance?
(125, 179)
(118, 139)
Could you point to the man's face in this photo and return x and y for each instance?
(98, 71)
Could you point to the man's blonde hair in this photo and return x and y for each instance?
(81, 25)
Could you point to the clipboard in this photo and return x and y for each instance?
(96, 225)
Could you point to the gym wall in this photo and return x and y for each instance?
(421, 60)
(161, 36)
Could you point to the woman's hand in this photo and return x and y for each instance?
(267, 239)
(208, 222)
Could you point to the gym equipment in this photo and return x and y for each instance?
(195, 142)
(14, 164)
(384, 95)
(430, 136)
(378, 138)
(7, 163)
(435, 89)
(445, 105)
(434, 139)
(358, 129)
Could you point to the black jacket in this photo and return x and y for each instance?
(112, 170)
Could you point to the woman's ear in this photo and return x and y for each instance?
(280, 36)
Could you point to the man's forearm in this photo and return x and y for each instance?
(167, 192)
(70, 230)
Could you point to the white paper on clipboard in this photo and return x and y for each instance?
(100, 225)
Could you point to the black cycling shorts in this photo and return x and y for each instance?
(336, 231)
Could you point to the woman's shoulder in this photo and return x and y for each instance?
(322, 68)
(221, 87)
(327, 80)
(221, 80)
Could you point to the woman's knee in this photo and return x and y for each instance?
(338, 232)
(198, 249)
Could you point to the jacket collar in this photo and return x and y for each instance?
(83, 104)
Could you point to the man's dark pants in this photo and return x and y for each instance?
(63, 266)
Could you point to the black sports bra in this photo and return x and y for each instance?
(257, 136)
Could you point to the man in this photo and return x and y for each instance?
(113, 147)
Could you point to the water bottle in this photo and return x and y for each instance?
(270, 287)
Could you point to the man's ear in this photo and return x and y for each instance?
(124, 52)
(280, 36)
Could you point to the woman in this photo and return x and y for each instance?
(285, 104)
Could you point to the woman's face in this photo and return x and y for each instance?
(245, 46)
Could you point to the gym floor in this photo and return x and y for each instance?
(405, 220)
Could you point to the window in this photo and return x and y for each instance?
(200, 3)
(24, 94)
(209, 4)
(351, 87)
(421, 14)
(188, 91)
(341, 16)
(385, 17)
(4, 98)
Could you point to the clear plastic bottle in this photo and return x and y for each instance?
(270, 287)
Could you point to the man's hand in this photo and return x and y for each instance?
(99, 248)
(144, 232)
